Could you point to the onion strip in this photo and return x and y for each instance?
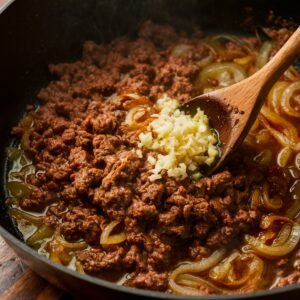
(68, 246)
(261, 249)
(21, 215)
(225, 274)
(108, 239)
(274, 97)
(197, 267)
(267, 221)
(272, 204)
(286, 98)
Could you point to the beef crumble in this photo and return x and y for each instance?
(84, 152)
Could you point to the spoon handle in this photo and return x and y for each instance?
(266, 77)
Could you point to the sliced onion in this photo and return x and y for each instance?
(292, 74)
(189, 285)
(284, 156)
(255, 199)
(108, 239)
(287, 128)
(282, 139)
(272, 204)
(266, 235)
(217, 42)
(79, 267)
(294, 209)
(263, 136)
(37, 238)
(205, 60)
(13, 153)
(220, 271)
(274, 97)
(261, 249)
(225, 274)
(267, 221)
(283, 235)
(244, 60)
(60, 251)
(197, 267)
(68, 246)
(264, 54)
(60, 257)
(180, 49)
(19, 189)
(21, 215)
(225, 73)
(132, 100)
(288, 97)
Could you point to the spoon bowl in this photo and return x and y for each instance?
(233, 110)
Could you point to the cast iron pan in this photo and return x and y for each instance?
(34, 33)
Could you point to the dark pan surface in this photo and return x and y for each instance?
(34, 33)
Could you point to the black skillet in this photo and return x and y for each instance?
(34, 33)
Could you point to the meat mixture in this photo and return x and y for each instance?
(87, 174)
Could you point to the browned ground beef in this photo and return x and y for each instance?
(79, 140)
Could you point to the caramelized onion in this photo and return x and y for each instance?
(251, 277)
(288, 97)
(261, 249)
(196, 267)
(287, 128)
(294, 209)
(282, 235)
(108, 239)
(21, 215)
(18, 189)
(264, 54)
(60, 251)
(68, 246)
(225, 74)
(282, 139)
(255, 199)
(222, 273)
(180, 49)
(244, 60)
(284, 156)
(272, 204)
(41, 234)
(218, 43)
(263, 136)
(292, 74)
(13, 153)
(132, 100)
(267, 221)
(190, 285)
(274, 97)
(205, 60)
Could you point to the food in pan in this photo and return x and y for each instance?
(108, 177)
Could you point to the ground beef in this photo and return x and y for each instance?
(150, 280)
(285, 275)
(86, 163)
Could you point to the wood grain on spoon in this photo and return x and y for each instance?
(232, 110)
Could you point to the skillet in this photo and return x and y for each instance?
(34, 33)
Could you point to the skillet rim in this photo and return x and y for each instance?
(7, 236)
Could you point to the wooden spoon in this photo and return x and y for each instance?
(233, 110)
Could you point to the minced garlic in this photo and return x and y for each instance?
(183, 142)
